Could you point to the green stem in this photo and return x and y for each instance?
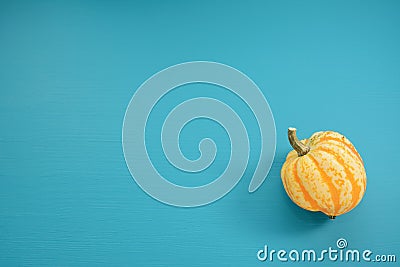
(300, 148)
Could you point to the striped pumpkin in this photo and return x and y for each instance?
(324, 173)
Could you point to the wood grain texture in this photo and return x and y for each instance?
(68, 70)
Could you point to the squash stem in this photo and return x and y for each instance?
(300, 148)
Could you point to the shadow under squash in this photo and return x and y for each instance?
(270, 211)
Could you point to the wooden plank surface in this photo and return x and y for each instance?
(69, 69)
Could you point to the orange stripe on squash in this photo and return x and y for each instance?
(307, 197)
(332, 189)
(351, 147)
(355, 192)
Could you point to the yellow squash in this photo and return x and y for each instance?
(324, 173)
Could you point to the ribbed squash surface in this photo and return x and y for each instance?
(330, 178)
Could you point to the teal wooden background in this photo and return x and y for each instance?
(69, 68)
